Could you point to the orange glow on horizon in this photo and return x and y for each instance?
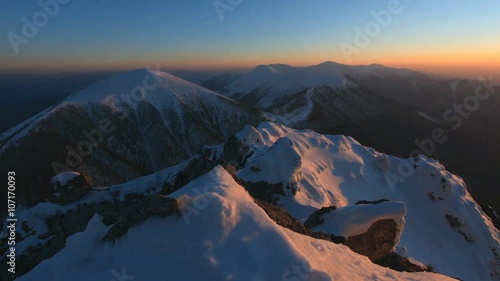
(445, 63)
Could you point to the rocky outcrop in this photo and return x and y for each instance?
(138, 212)
(377, 242)
(233, 156)
(71, 191)
(371, 228)
(195, 168)
(122, 215)
(453, 221)
(201, 165)
(236, 152)
(316, 219)
(456, 224)
(399, 263)
(371, 202)
(262, 190)
(371, 231)
(283, 218)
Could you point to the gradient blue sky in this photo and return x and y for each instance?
(459, 36)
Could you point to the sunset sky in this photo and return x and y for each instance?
(458, 37)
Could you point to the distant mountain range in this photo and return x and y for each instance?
(392, 110)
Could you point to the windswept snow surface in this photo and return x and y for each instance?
(338, 171)
(230, 238)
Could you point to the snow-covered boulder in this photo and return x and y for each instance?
(354, 220)
(372, 230)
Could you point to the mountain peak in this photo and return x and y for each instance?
(142, 71)
(140, 82)
(136, 74)
(263, 69)
(276, 68)
(377, 65)
(331, 63)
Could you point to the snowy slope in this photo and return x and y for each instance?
(159, 88)
(276, 79)
(302, 112)
(122, 127)
(128, 90)
(320, 97)
(444, 226)
(19, 131)
(231, 238)
(35, 216)
(224, 235)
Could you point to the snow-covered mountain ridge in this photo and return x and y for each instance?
(442, 226)
(338, 171)
(267, 85)
(231, 239)
(275, 79)
(117, 129)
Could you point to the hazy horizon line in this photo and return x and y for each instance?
(432, 70)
